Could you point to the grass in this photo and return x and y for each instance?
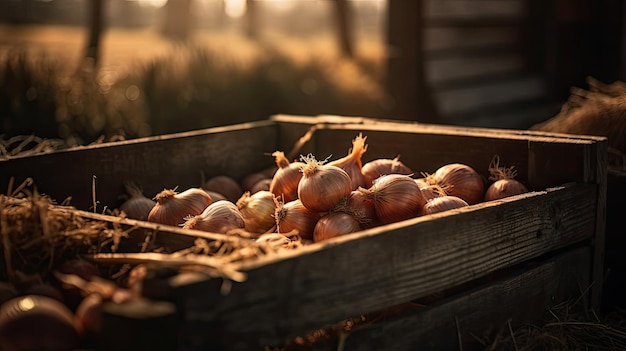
(146, 85)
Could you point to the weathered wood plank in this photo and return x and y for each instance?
(476, 97)
(461, 9)
(331, 281)
(439, 71)
(154, 163)
(437, 39)
(523, 297)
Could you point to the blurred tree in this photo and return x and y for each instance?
(252, 19)
(95, 20)
(177, 19)
(343, 20)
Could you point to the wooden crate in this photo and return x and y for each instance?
(489, 263)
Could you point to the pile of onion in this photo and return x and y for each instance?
(285, 181)
(335, 224)
(224, 185)
(460, 180)
(504, 182)
(352, 163)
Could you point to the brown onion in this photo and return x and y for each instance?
(335, 224)
(429, 191)
(352, 162)
(33, 322)
(219, 217)
(378, 167)
(294, 216)
(322, 186)
(442, 203)
(258, 211)
(361, 206)
(285, 181)
(459, 180)
(173, 208)
(225, 185)
(504, 182)
(261, 185)
(137, 206)
(396, 197)
(248, 182)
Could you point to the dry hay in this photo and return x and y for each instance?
(38, 234)
(599, 111)
(566, 331)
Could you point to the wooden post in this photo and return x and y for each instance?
(92, 50)
(406, 78)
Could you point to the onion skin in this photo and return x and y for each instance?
(261, 185)
(137, 206)
(352, 163)
(219, 217)
(173, 208)
(224, 185)
(459, 180)
(258, 211)
(442, 203)
(294, 216)
(361, 206)
(40, 323)
(396, 198)
(504, 188)
(382, 166)
(248, 182)
(335, 224)
(322, 186)
(285, 181)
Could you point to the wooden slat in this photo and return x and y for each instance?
(154, 163)
(455, 101)
(439, 71)
(523, 298)
(462, 9)
(283, 297)
(450, 38)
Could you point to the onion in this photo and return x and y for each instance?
(504, 182)
(352, 162)
(258, 211)
(219, 217)
(248, 182)
(459, 180)
(376, 168)
(137, 206)
(396, 197)
(322, 186)
(88, 318)
(224, 185)
(32, 322)
(261, 185)
(173, 208)
(294, 216)
(361, 206)
(442, 203)
(335, 224)
(429, 191)
(285, 181)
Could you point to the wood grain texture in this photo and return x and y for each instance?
(523, 298)
(154, 163)
(323, 283)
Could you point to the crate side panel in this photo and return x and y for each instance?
(401, 262)
(154, 164)
(539, 164)
(561, 279)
